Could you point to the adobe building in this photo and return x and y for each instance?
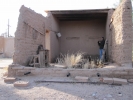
(79, 29)
(6, 47)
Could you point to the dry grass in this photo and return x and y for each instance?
(86, 65)
(78, 61)
(70, 60)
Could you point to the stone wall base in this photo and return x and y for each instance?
(119, 72)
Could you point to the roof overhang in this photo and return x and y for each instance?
(66, 15)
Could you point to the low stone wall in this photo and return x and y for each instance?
(120, 72)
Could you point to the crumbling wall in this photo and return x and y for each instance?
(109, 35)
(29, 35)
(121, 30)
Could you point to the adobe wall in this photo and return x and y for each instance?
(121, 30)
(109, 35)
(81, 36)
(1, 44)
(29, 35)
(9, 47)
(54, 40)
(6, 47)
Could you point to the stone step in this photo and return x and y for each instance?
(120, 81)
(130, 80)
(82, 79)
(9, 79)
(108, 80)
(115, 81)
(21, 84)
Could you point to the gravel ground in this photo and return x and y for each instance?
(62, 91)
(4, 62)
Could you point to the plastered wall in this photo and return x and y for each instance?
(9, 47)
(1, 44)
(81, 36)
(6, 46)
(52, 35)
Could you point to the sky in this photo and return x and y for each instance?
(9, 9)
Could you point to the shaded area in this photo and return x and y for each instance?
(72, 15)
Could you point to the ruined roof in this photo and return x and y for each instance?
(80, 14)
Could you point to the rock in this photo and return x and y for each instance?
(95, 79)
(130, 80)
(108, 80)
(119, 81)
(5, 73)
(109, 96)
(119, 94)
(105, 99)
(59, 66)
(81, 78)
(21, 84)
(95, 95)
(19, 73)
(9, 79)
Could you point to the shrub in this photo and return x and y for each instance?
(70, 60)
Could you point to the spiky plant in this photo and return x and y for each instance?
(71, 60)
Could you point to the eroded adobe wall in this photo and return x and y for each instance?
(29, 35)
(109, 35)
(121, 30)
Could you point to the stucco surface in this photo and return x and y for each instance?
(9, 47)
(81, 36)
(6, 46)
(1, 44)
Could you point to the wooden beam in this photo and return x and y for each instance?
(80, 11)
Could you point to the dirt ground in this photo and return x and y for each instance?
(4, 62)
(62, 91)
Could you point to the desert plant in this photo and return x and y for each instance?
(70, 60)
(93, 65)
(87, 65)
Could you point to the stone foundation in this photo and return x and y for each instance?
(116, 72)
